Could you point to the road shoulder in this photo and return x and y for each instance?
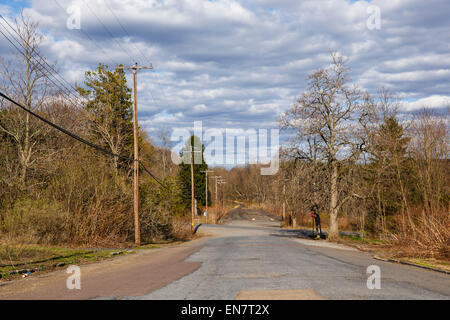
(130, 275)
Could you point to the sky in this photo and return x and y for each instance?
(239, 64)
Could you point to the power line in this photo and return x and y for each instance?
(111, 35)
(59, 87)
(37, 53)
(140, 51)
(39, 64)
(114, 39)
(88, 36)
(72, 135)
(9, 40)
(62, 85)
(128, 34)
(125, 30)
(107, 30)
(152, 175)
(76, 137)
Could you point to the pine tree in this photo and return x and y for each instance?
(110, 111)
(391, 143)
(184, 175)
(388, 171)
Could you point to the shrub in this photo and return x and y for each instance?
(35, 221)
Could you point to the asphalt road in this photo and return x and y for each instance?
(253, 262)
(249, 257)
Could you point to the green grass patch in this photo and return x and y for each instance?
(430, 263)
(149, 246)
(361, 240)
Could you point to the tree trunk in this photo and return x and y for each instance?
(334, 230)
(26, 152)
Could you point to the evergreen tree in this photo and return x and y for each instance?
(388, 170)
(391, 143)
(110, 112)
(184, 174)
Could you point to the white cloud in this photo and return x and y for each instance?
(434, 101)
(238, 64)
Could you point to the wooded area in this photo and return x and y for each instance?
(54, 189)
(363, 164)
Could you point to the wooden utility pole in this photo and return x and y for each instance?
(284, 199)
(206, 191)
(215, 202)
(192, 186)
(223, 198)
(137, 231)
(192, 189)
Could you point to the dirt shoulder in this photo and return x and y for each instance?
(124, 275)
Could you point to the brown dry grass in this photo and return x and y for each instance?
(423, 235)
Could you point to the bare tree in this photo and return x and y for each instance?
(327, 114)
(428, 230)
(25, 80)
(430, 149)
(164, 136)
(385, 151)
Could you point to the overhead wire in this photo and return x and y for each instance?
(39, 66)
(136, 47)
(80, 139)
(126, 32)
(112, 37)
(107, 30)
(61, 85)
(37, 53)
(89, 37)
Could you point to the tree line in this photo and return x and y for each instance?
(366, 166)
(54, 189)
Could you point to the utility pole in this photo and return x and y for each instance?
(284, 198)
(192, 190)
(222, 182)
(192, 187)
(284, 201)
(215, 203)
(137, 231)
(206, 191)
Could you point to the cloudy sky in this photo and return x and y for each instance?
(238, 64)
